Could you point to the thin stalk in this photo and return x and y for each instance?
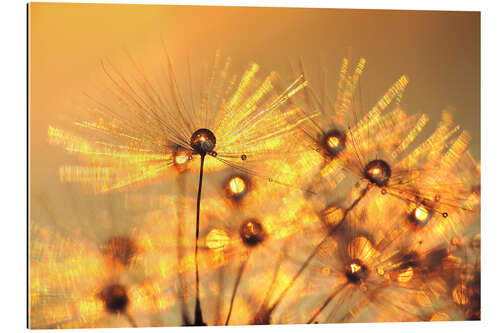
(198, 317)
(220, 298)
(235, 289)
(325, 304)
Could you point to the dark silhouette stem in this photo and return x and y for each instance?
(198, 317)
(325, 304)
(235, 289)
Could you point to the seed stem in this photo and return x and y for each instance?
(325, 304)
(198, 316)
(235, 289)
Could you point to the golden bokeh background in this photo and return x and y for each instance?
(438, 51)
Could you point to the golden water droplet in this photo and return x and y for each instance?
(421, 213)
(203, 141)
(332, 143)
(252, 233)
(237, 185)
(377, 172)
(115, 298)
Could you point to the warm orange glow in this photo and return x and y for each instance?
(287, 220)
(217, 240)
(237, 185)
(333, 142)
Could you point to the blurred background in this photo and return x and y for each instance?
(439, 51)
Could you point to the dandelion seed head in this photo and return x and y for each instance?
(203, 141)
(378, 172)
(115, 298)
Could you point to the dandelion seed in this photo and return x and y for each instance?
(139, 128)
(140, 132)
